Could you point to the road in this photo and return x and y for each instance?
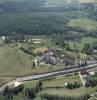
(47, 75)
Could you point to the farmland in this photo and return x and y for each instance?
(81, 44)
(55, 86)
(20, 63)
(37, 39)
(83, 23)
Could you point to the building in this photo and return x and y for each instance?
(84, 72)
(51, 56)
(37, 41)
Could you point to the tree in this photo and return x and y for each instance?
(8, 93)
(88, 48)
(30, 93)
(34, 64)
(40, 85)
(6, 90)
(66, 63)
(18, 89)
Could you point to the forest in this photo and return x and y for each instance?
(28, 17)
(36, 23)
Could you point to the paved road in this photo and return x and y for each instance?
(47, 75)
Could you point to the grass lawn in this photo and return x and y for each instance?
(94, 78)
(5, 79)
(41, 49)
(58, 81)
(88, 40)
(14, 62)
(61, 80)
(63, 91)
(84, 23)
(75, 92)
(80, 45)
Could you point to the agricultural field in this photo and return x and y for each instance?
(4, 80)
(55, 86)
(60, 83)
(80, 45)
(14, 60)
(56, 82)
(76, 92)
(83, 23)
(19, 63)
(68, 38)
(41, 49)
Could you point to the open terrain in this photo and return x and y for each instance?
(19, 63)
(81, 44)
(4, 80)
(84, 23)
(56, 86)
(69, 30)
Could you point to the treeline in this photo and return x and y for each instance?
(56, 97)
(9, 93)
(28, 93)
(73, 85)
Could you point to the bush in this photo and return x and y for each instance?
(72, 86)
(56, 97)
(18, 89)
(30, 93)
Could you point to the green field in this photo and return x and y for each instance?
(63, 91)
(59, 82)
(4, 80)
(56, 82)
(85, 40)
(48, 87)
(13, 61)
(19, 63)
(84, 23)
(76, 92)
